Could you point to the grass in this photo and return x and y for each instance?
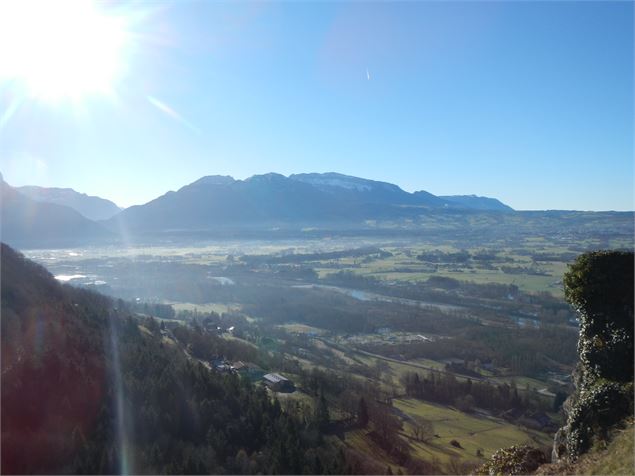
(301, 328)
(238, 339)
(617, 458)
(358, 440)
(297, 396)
(401, 267)
(218, 308)
(472, 432)
(525, 282)
(522, 382)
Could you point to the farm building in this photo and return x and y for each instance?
(278, 383)
(239, 366)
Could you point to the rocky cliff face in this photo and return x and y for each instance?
(599, 286)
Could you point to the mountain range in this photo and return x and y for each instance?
(31, 223)
(94, 208)
(53, 216)
(275, 200)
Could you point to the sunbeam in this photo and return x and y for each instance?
(122, 427)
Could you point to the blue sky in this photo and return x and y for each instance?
(529, 102)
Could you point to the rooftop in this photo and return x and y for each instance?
(275, 378)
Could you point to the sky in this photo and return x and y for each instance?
(528, 102)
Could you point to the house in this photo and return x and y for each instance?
(278, 383)
(221, 365)
(238, 366)
(223, 368)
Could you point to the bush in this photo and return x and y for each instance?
(513, 460)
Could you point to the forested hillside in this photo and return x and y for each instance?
(86, 388)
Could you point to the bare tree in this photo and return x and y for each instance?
(422, 429)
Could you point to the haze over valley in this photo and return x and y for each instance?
(317, 237)
(318, 273)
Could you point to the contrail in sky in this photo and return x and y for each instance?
(164, 108)
(367, 75)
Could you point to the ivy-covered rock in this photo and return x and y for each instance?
(595, 411)
(513, 460)
(599, 285)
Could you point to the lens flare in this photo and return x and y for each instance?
(61, 50)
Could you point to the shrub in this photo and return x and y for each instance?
(513, 460)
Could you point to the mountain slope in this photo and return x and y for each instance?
(90, 388)
(360, 190)
(262, 200)
(46, 396)
(29, 223)
(273, 200)
(477, 203)
(93, 208)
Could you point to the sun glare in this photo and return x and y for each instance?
(55, 50)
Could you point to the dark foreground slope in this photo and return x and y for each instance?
(84, 390)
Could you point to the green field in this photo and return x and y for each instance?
(217, 307)
(396, 268)
(358, 440)
(301, 329)
(472, 432)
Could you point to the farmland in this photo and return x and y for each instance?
(363, 317)
(473, 433)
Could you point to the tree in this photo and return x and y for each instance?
(322, 415)
(465, 404)
(422, 429)
(386, 424)
(362, 412)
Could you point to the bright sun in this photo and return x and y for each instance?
(60, 49)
